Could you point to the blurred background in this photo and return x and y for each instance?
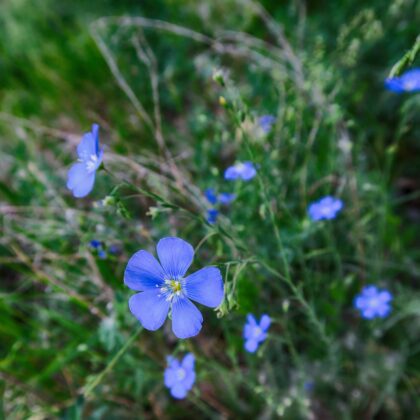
(144, 71)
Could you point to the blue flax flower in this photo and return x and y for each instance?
(373, 302)
(325, 209)
(226, 198)
(254, 332)
(243, 170)
(180, 376)
(211, 195)
(266, 122)
(163, 286)
(407, 82)
(81, 176)
(95, 244)
(212, 215)
(222, 198)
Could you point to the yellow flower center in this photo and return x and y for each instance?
(175, 286)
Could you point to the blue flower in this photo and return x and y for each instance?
(373, 302)
(407, 82)
(325, 209)
(114, 249)
(211, 195)
(254, 332)
(226, 198)
(212, 215)
(242, 170)
(222, 198)
(102, 254)
(95, 244)
(266, 122)
(179, 377)
(81, 176)
(163, 286)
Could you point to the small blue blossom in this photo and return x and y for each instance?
(95, 244)
(212, 215)
(373, 302)
(254, 332)
(164, 287)
(222, 198)
(325, 209)
(226, 198)
(211, 195)
(243, 170)
(81, 176)
(407, 82)
(179, 376)
(102, 254)
(266, 122)
(114, 249)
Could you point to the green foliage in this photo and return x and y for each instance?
(177, 105)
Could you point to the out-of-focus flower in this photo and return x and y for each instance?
(241, 170)
(212, 215)
(407, 82)
(163, 287)
(226, 198)
(211, 195)
(95, 244)
(81, 175)
(179, 376)
(266, 122)
(101, 254)
(254, 332)
(373, 302)
(325, 209)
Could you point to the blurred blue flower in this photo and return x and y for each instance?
(222, 198)
(102, 254)
(179, 377)
(212, 215)
(242, 170)
(211, 195)
(266, 122)
(254, 332)
(226, 198)
(81, 176)
(325, 209)
(373, 302)
(95, 244)
(163, 287)
(114, 249)
(407, 82)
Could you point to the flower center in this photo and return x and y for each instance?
(92, 163)
(171, 288)
(257, 332)
(181, 374)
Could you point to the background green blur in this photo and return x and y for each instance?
(67, 348)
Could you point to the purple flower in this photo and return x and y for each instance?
(163, 286)
(266, 122)
(407, 82)
(179, 377)
(81, 176)
(243, 170)
(212, 215)
(254, 332)
(373, 302)
(102, 254)
(325, 209)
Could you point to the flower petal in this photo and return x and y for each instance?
(248, 171)
(175, 255)
(79, 180)
(205, 286)
(188, 361)
(265, 322)
(251, 346)
(170, 377)
(143, 272)
(231, 173)
(89, 145)
(189, 380)
(178, 391)
(150, 308)
(186, 318)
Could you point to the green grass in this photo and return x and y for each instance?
(69, 347)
